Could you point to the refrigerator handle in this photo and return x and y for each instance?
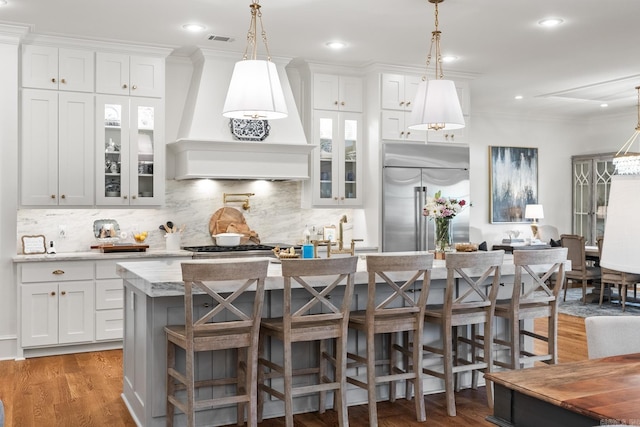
(421, 220)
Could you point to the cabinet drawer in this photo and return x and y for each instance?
(109, 325)
(107, 269)
(109, 294)
(57, 272)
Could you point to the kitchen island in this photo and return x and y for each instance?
(154, 298)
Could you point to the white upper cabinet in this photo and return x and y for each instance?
(57, 148)
(129, 151)
(337, 93)
(121, 74)
(45, 67)
(398, 91)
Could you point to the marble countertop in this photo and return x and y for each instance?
(162, 278)
(97, 255)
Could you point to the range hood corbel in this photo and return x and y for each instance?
(205, 147)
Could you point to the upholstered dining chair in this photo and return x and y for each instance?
(579, 272)
(223, 326)
(316, 304)
(612, 335)
(395, 307)
(532, 298)
(614, 278)
(467, 302)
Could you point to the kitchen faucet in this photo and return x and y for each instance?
(340, 241)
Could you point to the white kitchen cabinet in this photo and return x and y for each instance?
(398, 91)
(337, 93)
(121, 74)
(57, 148)
(45, 67)
(337, 165)
(57, 303)
(130, 151)
(109, 302)
(393, 126)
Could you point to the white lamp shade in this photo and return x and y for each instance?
(621, 244)
(436, 102)
(255, 92)
(533, 212)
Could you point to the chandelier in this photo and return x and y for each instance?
(436, 105)
(255, 91)
(629, 163)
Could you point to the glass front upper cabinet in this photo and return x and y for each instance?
(337, 176)
(130, 157)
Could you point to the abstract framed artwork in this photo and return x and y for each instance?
(513, 177)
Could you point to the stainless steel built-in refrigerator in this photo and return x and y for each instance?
(410, 173)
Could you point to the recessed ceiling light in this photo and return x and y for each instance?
(449, 58)
(604, 105)
(518, 97)
(194, 28)
(336, 45)
(3, 2)
(550, 22)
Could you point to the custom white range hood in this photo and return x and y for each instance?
(206, 147)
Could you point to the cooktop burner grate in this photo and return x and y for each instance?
(239, 248)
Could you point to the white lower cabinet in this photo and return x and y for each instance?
(70, 303)
(109, 301)
(57, 304)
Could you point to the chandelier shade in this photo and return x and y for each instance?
(620, 250)
(255, 92)
(436, 106)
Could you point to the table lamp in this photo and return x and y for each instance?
(534, 212)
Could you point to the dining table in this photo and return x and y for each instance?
(585, 393)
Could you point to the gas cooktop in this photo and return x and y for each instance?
(239, 248)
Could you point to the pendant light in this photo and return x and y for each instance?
(620, 249)
(629, 163)
(436, 105)
(255, 91)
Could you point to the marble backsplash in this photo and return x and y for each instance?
(275, 214)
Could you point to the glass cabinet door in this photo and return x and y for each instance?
(337, 171)
(129, 151)
(112, 153)
(351, 138)
(591, 186)
(325, 177)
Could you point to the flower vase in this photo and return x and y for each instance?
(443, 237)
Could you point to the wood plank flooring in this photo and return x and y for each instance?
(83, 390)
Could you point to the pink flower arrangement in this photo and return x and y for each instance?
(442, 207)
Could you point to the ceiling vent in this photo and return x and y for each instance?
(217, 38)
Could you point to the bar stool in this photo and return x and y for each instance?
(472, 306)
(532, 298)
(399, 307)
(316, 310)
(225, 326)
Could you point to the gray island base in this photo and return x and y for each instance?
(153, 298)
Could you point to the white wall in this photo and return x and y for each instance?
(9, 38)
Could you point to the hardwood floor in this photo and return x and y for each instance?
(84, 390)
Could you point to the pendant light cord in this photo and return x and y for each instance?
(252, 44)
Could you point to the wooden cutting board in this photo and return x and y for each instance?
(221, 219)
(110, 247)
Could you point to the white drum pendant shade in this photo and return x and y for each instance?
(436, 106)
(255, 92)
(621, 243)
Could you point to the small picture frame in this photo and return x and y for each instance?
(329, 233)
(34, 245)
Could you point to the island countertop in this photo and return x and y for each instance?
(162, 278)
